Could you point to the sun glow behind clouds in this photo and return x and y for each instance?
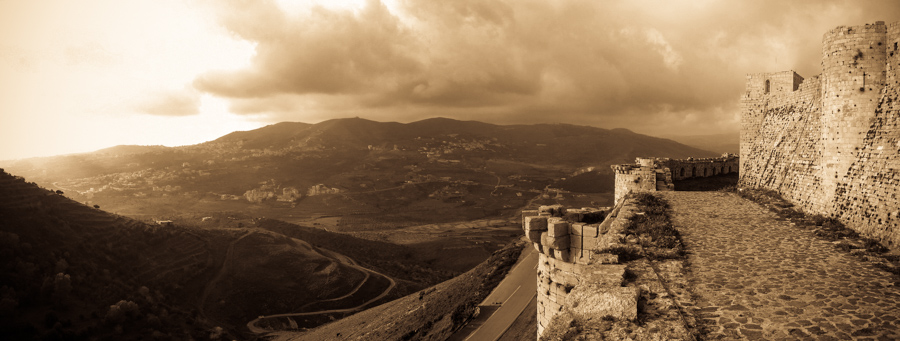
(75, 74)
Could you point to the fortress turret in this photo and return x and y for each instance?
(830, 145)
(854, 62)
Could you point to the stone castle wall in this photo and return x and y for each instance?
(828, 143)
(572, 264)
(659, 174)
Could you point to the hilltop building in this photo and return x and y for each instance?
(659, 174)
(829, 143)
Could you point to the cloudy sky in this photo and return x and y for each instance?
(82, 75)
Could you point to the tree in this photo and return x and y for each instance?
(97, 206)
(117, 312)
(59, 192)
(62, 265)
(62, 285)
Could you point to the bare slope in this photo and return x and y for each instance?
(75, 271)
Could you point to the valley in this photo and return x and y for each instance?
(294, 225)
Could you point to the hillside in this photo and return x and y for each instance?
(431, 314)
(73, 271)
(719, 143)
(363, 171)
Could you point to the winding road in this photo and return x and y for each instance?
(343, 260)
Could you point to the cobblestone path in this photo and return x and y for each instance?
(756, 277)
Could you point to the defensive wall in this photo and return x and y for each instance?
(572, 264)
(576, 271)
(830, 143)
(659, 174)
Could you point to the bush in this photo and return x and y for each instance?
(654, 229)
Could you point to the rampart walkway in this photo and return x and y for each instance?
(756, 277)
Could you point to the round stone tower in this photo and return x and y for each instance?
(853, 75)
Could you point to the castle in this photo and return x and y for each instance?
(830, 143)
(658, 174)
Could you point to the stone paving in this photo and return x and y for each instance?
(756, 277)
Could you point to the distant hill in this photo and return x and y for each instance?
(351, 167)
(123, 150)
(719, 143)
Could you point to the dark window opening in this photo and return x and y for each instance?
(682, 172)
(767, 86)
(704, 171)
(694, 171)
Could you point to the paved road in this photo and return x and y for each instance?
(501, 308)
(756, 277)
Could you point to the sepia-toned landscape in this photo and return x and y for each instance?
(406, 170)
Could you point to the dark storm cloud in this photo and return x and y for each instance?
(658, 65)
(184, 102)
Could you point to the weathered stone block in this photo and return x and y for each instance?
(617, 302)
(553, 307)
(538, 246)
(564, 278)
(561, 293)
(606, 275)
(529, 213)
(562, 255)
(574, 253)
(576, 228)
(561, 242)
(545, 239)
(558, 228)
(574, 241)
(535, 223)
(534, 236)
(564, 266)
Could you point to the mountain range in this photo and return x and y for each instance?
(364, 168)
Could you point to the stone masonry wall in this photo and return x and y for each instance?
(571, 257)
(830, 145)
(658, 174)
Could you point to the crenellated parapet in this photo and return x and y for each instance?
(659, 174)
(573, 265)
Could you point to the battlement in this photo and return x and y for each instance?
(829, 144)
(773, 83)
(659, 174)
(573, 263)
